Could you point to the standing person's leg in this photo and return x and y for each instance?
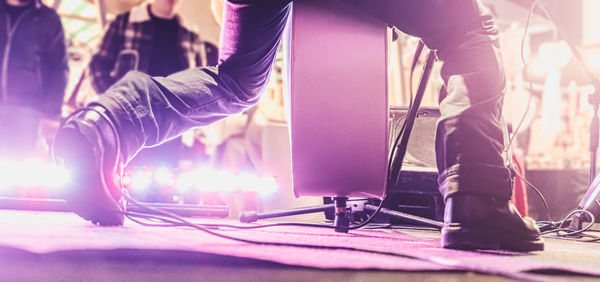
(474, 179)
(142, 111)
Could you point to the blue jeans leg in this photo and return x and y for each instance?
(150, 110)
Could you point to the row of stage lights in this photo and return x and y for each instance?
(202, 179)
(36, 173)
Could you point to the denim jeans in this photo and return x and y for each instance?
(469, 138)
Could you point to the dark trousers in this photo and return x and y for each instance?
(469, 137)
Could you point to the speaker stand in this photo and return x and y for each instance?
(342, 214)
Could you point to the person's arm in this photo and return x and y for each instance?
(54, 69)
(103, 61)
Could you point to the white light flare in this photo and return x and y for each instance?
(32, 173)
(267, 186)
(141, 180)
(248, 182)
(164, 177)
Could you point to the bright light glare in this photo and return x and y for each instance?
(140, 181)
(164, 176)
(58, 177)
(551, 56)
(8, 177)
(594, 61)
(31, 173)
(208, 180)
(267, 185)
(38, 173)
(248, 182)
(224, 181)
(126, 180)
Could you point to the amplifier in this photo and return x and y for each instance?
(417, 190)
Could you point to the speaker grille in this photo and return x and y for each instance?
(421, 144)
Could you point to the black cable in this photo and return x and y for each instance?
(525, 67)
(522, 119)
(537, 190)
(570, 234)
(413, 66)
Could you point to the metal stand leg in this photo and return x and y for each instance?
(405, 217)
(591, 203)
(341, 223)
(252, 216)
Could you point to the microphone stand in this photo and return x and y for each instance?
(589, 202)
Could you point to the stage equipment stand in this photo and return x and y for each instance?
(590, 200)
(337, 107)
(342, 206)
(352, 206)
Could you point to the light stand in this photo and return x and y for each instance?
(590, 201)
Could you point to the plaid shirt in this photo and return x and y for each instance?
(127, 45)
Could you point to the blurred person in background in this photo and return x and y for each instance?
(156, 40)
(151, 38)
(33, 75)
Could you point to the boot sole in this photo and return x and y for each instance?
(88, 196)
(94, 203)
(485, 239)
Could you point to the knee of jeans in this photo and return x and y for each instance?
(246, 85)
(134, 83)
(135, 77)
(251, 89)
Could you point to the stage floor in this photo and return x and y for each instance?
(61, 246)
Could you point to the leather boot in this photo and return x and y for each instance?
(87, 147)
(486, 222)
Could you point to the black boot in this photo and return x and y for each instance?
(485, 222)
(86, 146)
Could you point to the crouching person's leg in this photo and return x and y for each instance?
(142, 111)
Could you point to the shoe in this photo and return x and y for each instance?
(474, 222)
(85, 145)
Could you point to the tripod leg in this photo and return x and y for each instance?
(341, 223)
(405, 217)
(252, 216)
